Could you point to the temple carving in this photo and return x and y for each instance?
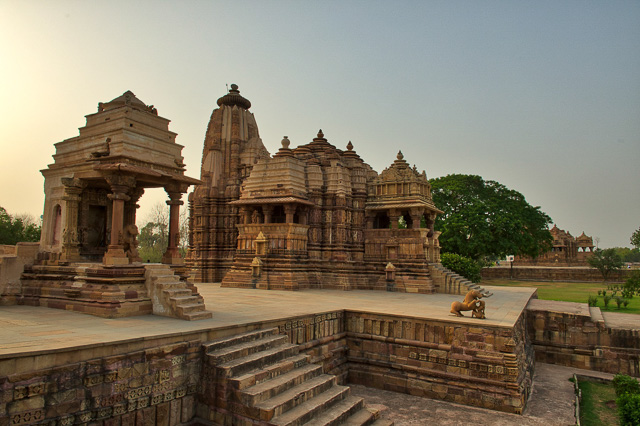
(313, 216)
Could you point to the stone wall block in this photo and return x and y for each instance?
(175, 412)
(188, 409)
(163, 414)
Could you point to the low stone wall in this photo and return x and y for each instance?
(575, 335)
(528, 273)
(471, 364)
(12, 262)
(151, 381)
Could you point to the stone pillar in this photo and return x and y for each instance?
(416, 215)
(290, 211)
(120, 185)
(245, 217)
(369, 219)
(172, 255)
(268, 212)
(303, 214)
(394, 216)
(131, 206)
(70, 238)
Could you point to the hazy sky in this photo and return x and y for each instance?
(543, 97)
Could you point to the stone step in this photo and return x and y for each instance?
(239, 338)
(190, 309)
(177, 292)
(270, 388)
(166, 285)
(349, 411)
(268, 372)
(187, 300)
(257, 360)
(295, 396)
(310, 408)
(246, 348)
(196, 316)
(164, 277)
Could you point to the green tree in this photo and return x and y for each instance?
(485, 219)
(15, 229)
(154, 234)
(627, 254)
(635, 238)
(605, 261)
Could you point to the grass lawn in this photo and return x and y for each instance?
(598, 405)
(571, 292)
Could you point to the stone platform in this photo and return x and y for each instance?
(153, 366)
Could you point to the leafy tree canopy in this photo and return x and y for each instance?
(635, 238)
(485, 219)
(15, 229)
(605, 261)
(627, 254)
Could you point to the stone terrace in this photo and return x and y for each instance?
(26, 329)
(55, 362)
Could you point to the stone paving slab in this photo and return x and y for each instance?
(28, 329)
(551, 403)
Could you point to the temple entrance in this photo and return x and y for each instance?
(95, 232)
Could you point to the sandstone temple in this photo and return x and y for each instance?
(313, 216)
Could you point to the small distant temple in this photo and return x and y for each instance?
(313, 216)
(567, 250)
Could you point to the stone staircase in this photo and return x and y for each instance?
(260, 378)
(449, 282)
(171, 297)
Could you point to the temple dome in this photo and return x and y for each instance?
(233, 98)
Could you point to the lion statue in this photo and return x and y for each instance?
(130, 243)
(472, 303)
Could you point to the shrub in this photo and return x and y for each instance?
(625, 384)
(592, 301)
(629, 409)
(606, 300)
(468, 268)
(626, 302)
(633, 281)
(619, 301)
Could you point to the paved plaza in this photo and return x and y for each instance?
(27, 329)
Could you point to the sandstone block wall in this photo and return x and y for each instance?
(575, 335)
(470, 364)
(161, 380)
(156, 385)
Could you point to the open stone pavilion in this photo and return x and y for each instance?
(373, 306)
